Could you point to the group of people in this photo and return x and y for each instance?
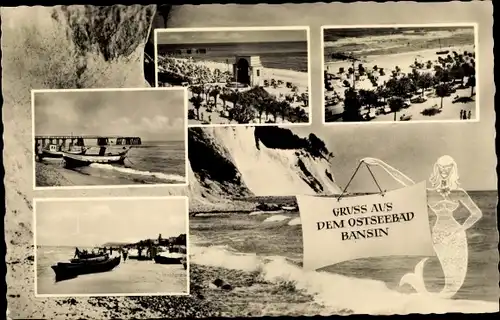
(85, 253)
(464, 115)
(195, 71)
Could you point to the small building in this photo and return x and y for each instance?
(248, 70)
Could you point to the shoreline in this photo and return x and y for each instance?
(301, 78)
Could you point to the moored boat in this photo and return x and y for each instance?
(70, 270)
(82, 160)
(170, 258)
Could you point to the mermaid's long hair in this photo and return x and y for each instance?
(452, 180)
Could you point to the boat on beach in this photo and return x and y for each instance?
(84, 159)
(170, 258)
(76, 267)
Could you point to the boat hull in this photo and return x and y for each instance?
(140, 258)
(70, 270)
(168, 260)
(51, 154)
(82, 160)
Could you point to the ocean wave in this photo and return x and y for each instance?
(159, 175)
(332, 291)
(295, 222)
(256, 213)
(278, 217)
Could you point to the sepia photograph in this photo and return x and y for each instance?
(110, 137)
(238, 75)
(285, 219)
(400, 73)
(108, 246)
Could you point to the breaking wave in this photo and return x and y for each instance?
(364, 296)
(278, 217)
(159, 175)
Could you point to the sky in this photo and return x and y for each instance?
(153, 115)
(169, 37)
(91, 223)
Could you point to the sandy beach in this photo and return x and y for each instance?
(218, 113)
(402, 61)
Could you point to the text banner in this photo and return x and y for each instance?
(393, 224)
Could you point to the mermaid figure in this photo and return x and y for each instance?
(448, 236)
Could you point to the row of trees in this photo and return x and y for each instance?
(251, 104)
(400, 87)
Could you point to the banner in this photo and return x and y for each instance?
(393, 224)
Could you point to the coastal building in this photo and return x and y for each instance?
(248, 70)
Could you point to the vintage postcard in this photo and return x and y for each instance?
(238, 76)
(391, 216)
(112, 137)
(111, 246)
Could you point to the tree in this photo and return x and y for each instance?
(471, 83)
(215, 93)
(396, 104)
(284, 109)
(224, 97)
(261, 105)
(352, 104)
(243, 112)
(305, 99)
(425, 81)
(442, 90)
(198, 90)
(196, 101)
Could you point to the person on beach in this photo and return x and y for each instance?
(461, 114)
(125, 254)
(469, 114)
(77, 253)
(448, 235)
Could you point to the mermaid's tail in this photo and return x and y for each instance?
(416, 279)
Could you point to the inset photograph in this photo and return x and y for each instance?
(109, 137)
(111, 246)
(400, 73)
(237, 76)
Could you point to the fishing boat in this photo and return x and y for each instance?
(170, 258)
(85, 159)
(76, 267)
(441, 52)
(140, 258)
(51, 151)
(289, 208)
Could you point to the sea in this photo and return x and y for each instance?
(131, 277)
(153, 162)
(365, 46)
(272, 244)
(291, 55)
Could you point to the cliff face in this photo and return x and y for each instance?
(261, 161)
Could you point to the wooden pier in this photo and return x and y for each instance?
(68, 141)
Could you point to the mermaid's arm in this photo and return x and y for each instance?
(393, 172)
(475, 212)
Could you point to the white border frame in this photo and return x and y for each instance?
(122, 186)
(221, 29)
(424, 25)
(89, 199)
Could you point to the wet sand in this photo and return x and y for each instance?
(53, 174)
(129, 277)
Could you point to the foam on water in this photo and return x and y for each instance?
(255, 213)
(294, 222)
(335, 292)
(278, 217)
(159, 175)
